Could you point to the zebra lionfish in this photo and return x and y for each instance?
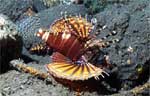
(69, 37)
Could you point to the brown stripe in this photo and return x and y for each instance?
(62, 43)
(71, 47)
(69, 68)
(83, 31)
(55, 37)
(73, 27)
(76, 70)
(82, 68)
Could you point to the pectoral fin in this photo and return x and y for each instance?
(74, 71)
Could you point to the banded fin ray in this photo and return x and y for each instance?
(75, 25)
(69, 70)
(74, 71)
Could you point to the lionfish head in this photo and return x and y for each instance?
(42, 33)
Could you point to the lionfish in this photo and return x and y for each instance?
(69, 38)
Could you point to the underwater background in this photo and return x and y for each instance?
(130, 57)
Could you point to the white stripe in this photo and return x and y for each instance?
(45, 36)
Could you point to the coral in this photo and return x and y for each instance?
(27, 29)
(10, 42)
(21, 66)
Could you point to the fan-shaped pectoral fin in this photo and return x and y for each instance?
(74, 71)
(94, 71)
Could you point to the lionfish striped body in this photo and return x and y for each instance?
(71, 47)
(68, 37)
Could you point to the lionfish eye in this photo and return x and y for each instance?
(40, 32)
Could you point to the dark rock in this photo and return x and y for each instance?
(10, 43)
(50, 3)
(95, 6)
(39, 5)
(130, 56)
(133, 32)
(18, 9)
(14, 8)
